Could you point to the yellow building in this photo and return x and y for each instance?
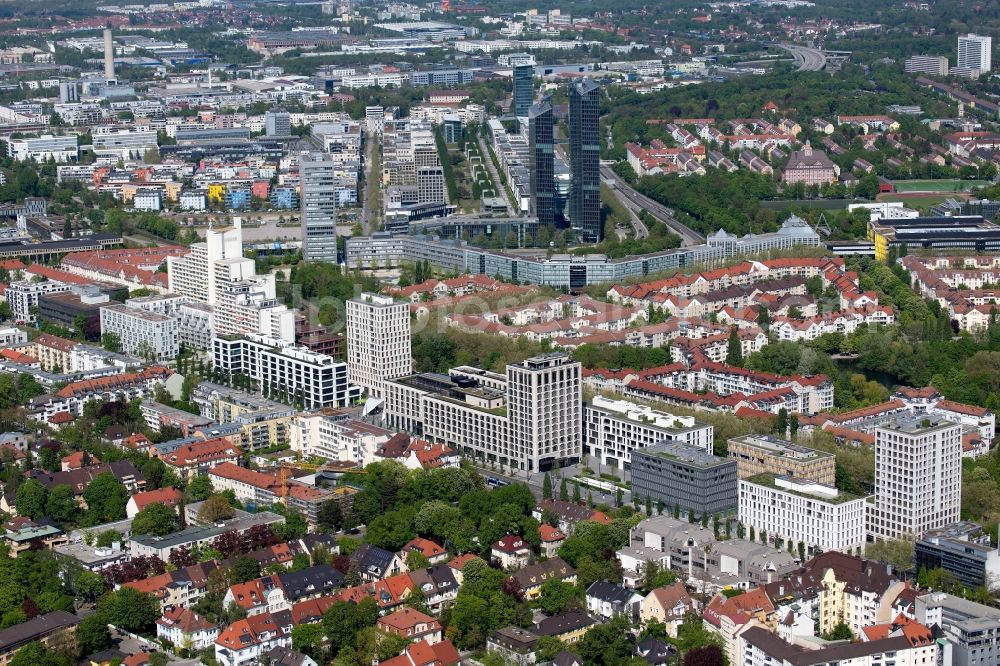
(531, 577)
(216, 192)
(53, 353)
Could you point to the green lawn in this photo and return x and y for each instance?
(954, 185)
(916, 202)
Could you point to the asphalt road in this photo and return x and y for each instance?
(808, 59)
(636, 201)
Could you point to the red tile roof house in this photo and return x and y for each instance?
(434, 553)
(552, 538)
(245, 641)
(412, 625)
(422, 653)
(169, 497)
(512, 552)
(184, 627)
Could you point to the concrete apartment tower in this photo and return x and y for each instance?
(109, 55)
(378, 341)
(545, 408)
(319, 208)
(918, 477)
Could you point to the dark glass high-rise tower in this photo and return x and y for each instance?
(524, 89)
(585, 160)
(541, 151)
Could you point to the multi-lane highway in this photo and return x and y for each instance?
(637, 202)
(808, 59)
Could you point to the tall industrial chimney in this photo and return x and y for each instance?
(109, 55)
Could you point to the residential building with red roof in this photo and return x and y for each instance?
(198, 458)
(511, 552)
(169, 497)
(422, 653)
(429, 549)
(184, 627)
(551, 539)
(412, 625)
(246, 641)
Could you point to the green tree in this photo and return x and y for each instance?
(111, 342)
(558, 596)
(92, 634)
(30, 499)
(564, 490)
(343, 620)
(61, 504)
(200, 488)
(734, 350)
(130, 610)
(106, 498)
(244, 569)
(90, 585)
(842, 632)
(155, 519)
(294, 527)
(547, 487)
(330, 516)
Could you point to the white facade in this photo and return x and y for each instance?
(23, 296)
(148, 200)
(975, 52)
(532, 421)
(378, 341)
(318, 180)
(918, 477)
(45, 147)
(801, 510)
(216, 273)
(148, 335)
(316, 380)
(614, 428)
(333, 438)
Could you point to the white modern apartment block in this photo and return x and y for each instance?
(531, 420)
(216, 273)
(794, 509)
(918, 477)
(47, 146)
(925, 64)
(316, 380)
(23, 297)
(612, 429)
(334, 437)
(122, 143)
(145, 334)
(195, 321)
(192, 275)
(975, 52)
(148, 199)
(378, 341)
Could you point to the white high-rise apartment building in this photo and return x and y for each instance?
(216, 273)
(378, 341)
(193, 274)
(918, 477)
(308, 378)
(975, 52)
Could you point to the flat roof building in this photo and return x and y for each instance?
(767, 454)
(679, 475)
